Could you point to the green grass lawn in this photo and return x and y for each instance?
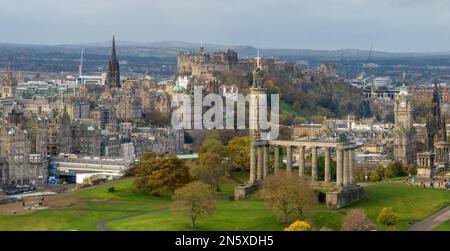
(66, 219)
(410, 203)
(443, 227)
(97, 204)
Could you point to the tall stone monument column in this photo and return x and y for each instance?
(276, 159)
(259, 173)
(289, 159)
(252, 164)
(314, 163)
(345, 166)
(266, 161)
(351, 164)
(301, 161)
(327, 165)
(339, 171)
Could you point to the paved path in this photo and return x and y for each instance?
(434, 220)
(101, 225)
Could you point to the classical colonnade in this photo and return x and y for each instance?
(345, 163)
(442, 150)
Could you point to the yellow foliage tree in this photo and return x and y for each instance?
(299, 226)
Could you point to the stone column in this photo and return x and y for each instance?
(266, 161)
(252, 164)
(301, 161)
(276, 159)
(339, 153)
(327, 165)
(259, 173)
(314, 163)
(289, 159)
(351, 167)
(346, 171)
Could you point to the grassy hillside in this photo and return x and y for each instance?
(83, 209)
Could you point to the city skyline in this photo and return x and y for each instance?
(388, 25)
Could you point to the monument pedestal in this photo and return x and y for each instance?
(424, 173)
(345, 196)
(243, 191)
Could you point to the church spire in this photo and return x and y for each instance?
(113, 53)
(113, 76)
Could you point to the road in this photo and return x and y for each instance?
(101, 225)
(434, 220)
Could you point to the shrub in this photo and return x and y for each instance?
(409, 169)
(387, 217)
(299, 226)
(111, 189)
(394, 169)
(356, 220)
(374, 175)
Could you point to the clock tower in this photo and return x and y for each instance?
(404, 133)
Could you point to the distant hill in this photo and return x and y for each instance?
(160, 57)
(172, 48)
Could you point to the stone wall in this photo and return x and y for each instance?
(344, 197)
(240, 192)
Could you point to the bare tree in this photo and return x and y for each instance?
(288, 194)
(356, 220)
(195, 199)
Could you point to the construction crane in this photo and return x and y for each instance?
(370, 53)
(362, 75)
(80, 67)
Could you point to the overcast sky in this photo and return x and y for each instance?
(390, 25)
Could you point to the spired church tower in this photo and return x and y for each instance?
(404, 133)
(8, 85)
(436, 128)
(113, 76)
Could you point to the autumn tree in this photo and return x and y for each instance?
(211, 165)
(212, 140)
(387, 217)
(356, 220)
(299, 226)
(238, 152)
(288, 194)
(194, 200)
(156, 173)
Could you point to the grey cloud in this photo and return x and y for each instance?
(394, 25)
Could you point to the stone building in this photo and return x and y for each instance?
(435, 126)
(22, 150)
(86, 138)
(78, 108)
(105, 117)
(202, 65)
(8, 85)
(404, 133)
(59, 138)
(427, 92)
(436, 157)
(128, 107)
(328, 69)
